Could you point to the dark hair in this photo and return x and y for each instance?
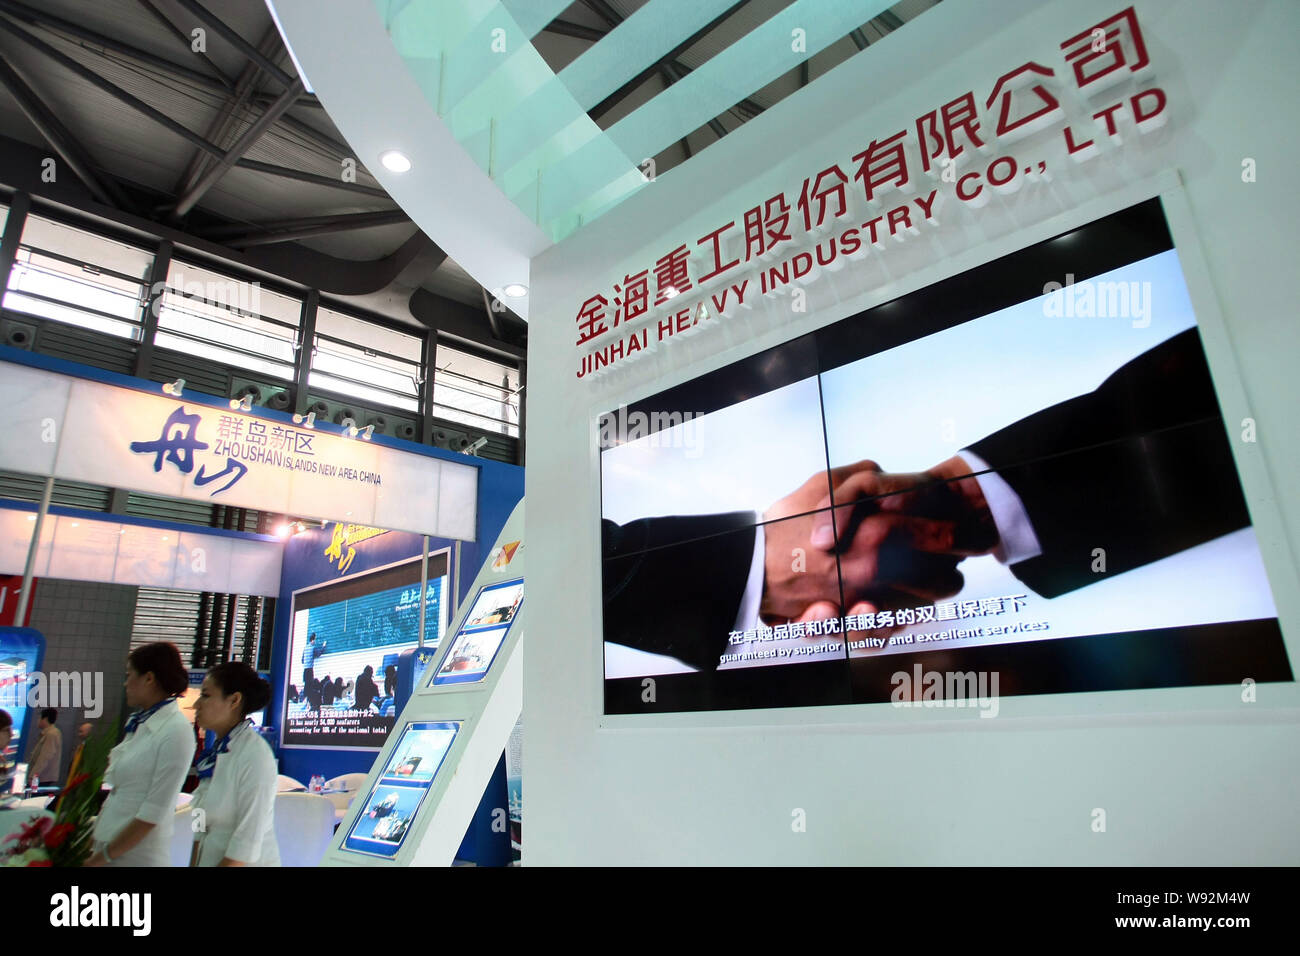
(236, 677)
(163, 660)
(50, 714)
(5, 720)
(312, 637)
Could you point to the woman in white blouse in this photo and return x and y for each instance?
(235, 800)
(146, 770)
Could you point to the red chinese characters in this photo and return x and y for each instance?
(882, 163)
(1100, 53)
(1049, 108)
(671, 277)
(767, 225)
(715, 240)
(591, 319)
(936, 143)
(828, 185)
(635, 299)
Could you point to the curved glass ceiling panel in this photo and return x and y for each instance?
(530, 129)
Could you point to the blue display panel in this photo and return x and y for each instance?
(390, 808)
(481, 634)
(22, 652)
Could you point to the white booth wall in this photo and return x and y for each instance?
(1185, 776)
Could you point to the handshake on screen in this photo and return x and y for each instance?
(858, 539)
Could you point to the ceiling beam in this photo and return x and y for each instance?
(217, 81)
(566, 28)
(219, 127)
(185, 39)
(235, 40)
(250, 136)
(859, 38)
(35, 16)
(493, 322)
(289, 230)
(334, 182)
(162, 119)
(61, 140)
(890, 20)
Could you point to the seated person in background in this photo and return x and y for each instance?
(312, 693)
(338, 688)
(293, 693)
(326, 691)
(390, 680)
(367, 689)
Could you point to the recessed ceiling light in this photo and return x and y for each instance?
(515, 290)
(395, 161)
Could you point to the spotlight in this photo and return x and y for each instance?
(174, 388)
(395, 161)
(244, 404)
(368, 431)
(282, 529)
(474, 448)
(349, 427)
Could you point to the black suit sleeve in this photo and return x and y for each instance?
(1141, 467)
(674, 585)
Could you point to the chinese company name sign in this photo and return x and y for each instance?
(782, 244)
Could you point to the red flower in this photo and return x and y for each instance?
(36, 828)
(58, 834)
(40, 863)
(75, 782)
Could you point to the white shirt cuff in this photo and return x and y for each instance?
(1016, 539)
(747, 617)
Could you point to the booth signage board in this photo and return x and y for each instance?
(897, 185)
(81, 430)
(464, 726)
(77, 547)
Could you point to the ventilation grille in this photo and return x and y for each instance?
(200, 375)
(70, 494)
(68, 342)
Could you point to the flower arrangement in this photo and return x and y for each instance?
(65, 839)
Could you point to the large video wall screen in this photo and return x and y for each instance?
(346, 637)
(1021, 472)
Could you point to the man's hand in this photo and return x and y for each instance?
(790, 594)
(900, 536)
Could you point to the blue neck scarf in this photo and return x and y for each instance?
(140, 716)
(207, 761)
